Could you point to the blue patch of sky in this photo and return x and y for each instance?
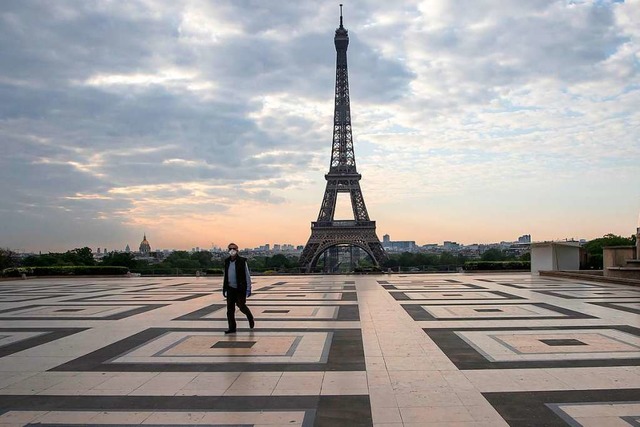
(573, 113)
(468, 156)
(399, 129)
(604, 98)
(614, 162)
(619, 115)
(511, 107)
(471, 120)
(632, 87)
(364, 148)
(596, 2)
(505, 133)
(393, 129)
(506, 106)
(612, 49)
(554, 163)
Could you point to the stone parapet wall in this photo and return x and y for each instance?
(616, 262)
(594, 276)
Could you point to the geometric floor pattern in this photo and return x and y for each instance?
(474, 350)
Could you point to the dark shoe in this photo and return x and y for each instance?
(230, 332)
(252, 323)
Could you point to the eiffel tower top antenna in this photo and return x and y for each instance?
(340, 14)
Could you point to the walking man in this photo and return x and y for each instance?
(236, 287)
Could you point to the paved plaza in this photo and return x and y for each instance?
(383, 350)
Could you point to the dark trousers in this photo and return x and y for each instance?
(240, 299)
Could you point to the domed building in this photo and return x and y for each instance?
(145, 247)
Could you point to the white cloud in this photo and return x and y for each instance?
(126, 111)
(166, 76)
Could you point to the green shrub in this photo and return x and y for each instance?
(371, 269)
(73, 270)
(157, 271)
(214, 271)
(497, 265)
(17, 271)
(594, 261)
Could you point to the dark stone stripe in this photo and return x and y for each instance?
(346, 353)
(31, 297)
(399, 296)
(529, 409)
(52, 335)
(345, 313)
(115, 316)
(435, 287)
(348, 312)
(615, 306)
(402, 296)
(418, 313)
(593, 296)
(128, 298)
(560, 286)
(330, 411)
(200, 313)
(465, 357)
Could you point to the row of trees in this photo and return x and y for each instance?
(186, 261)
(594, 248)
(180, 260)
(446, 260)
(75, 257)
(183, 260)
(8, 259)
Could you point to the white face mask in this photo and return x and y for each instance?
(233, 252)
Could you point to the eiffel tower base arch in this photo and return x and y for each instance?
(324, 235)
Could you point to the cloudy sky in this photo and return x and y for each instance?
(204, 122)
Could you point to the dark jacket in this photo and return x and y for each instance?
(241, 274)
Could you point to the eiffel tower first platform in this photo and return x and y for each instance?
(327, 233)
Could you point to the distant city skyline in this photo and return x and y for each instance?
(188, 247)
(284, 246)
(203, 123)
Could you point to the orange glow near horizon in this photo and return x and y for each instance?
(254, 225)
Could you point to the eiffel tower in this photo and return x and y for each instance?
(327, 233)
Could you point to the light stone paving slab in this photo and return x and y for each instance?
(407, 376)
(344, 383)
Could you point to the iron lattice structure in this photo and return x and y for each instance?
(343, 177)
